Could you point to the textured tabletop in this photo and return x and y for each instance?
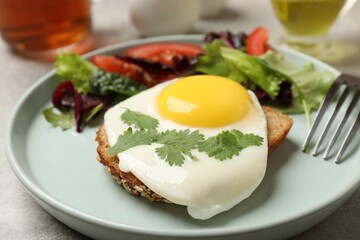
(22, 218)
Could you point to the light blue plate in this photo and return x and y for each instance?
(61, 172)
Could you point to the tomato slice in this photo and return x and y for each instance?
(164, 52)
(257, 41)
(153, 49)
(115, 65)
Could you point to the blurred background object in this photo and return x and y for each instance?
(211, 8)
(162, 17)
(307, 22)
(39, 28)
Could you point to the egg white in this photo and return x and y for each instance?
(208, 186)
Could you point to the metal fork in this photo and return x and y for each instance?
(351, 85)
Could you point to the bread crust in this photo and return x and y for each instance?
(111, 162)
(278, 126)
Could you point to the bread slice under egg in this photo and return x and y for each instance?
(278, 126)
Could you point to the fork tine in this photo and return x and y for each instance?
(348, 138)
(341, 124)
(334, 114)
(333, 89)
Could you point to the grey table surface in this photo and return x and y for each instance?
(22, 218)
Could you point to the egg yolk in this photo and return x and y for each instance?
(204, 101)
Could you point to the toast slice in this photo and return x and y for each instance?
(278, 126)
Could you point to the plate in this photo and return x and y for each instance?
(61, 172)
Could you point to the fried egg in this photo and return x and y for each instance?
(209, 104)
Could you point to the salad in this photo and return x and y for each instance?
(88, 87)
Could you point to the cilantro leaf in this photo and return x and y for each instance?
(140, 120)
(171, 154)
(65, 120)
(177, 143)
(247, 140)
(131, 139)
(227, 144)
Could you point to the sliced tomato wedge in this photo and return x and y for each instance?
(256, 43)
(116, 65)
(166, 53)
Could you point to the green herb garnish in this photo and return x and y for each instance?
(139, 120)
(227, 144)
(177, 144)
(131, 139)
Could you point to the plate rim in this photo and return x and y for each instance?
(60, 206)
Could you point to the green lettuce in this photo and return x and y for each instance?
(213, 63)
(70, 66)
(235, 64)
(88, 78)
(256, 70)
(312, 83)
(65, 120)
(308, 85)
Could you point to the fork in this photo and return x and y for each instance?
(351, 84)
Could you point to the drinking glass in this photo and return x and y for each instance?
(307, 22)
(40, 28)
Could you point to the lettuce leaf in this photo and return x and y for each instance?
(256, 70)
(312, 83)
(308, 85)
(213, 63)
(248, 70)
(65, 120)
(70, 66)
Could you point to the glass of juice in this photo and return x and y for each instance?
(41, 28)
(307, 22)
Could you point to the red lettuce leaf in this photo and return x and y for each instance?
(65, 97)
